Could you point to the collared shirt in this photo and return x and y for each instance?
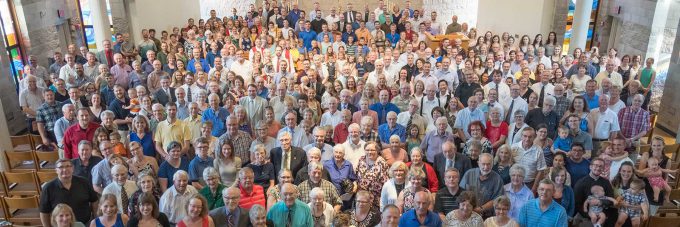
(167, 132)
(330, 191)
(410, 218)
(326, 151)
(331, 119)
(196, 167)
(536, 117)
(607, 123)
(241, 142)
(519, 104)
(48, 114)
(385, 132)
(354, 152)
(121, 75)
(339, 173)
(73, 135)
(633, 122)
(382, 110)
(85, 171)
(234, 214)
(218, 118)
(340, 133)
(517, 199)
(256, 196)
(582, 138)
(369, 136)
(79, 197)
(432, 143)
(60, 127)
(531, 215)
(101, 174)
(182, 110)
(418, 121)
(467, 116)
(298, 136)
(31, 99)
(254, 107)
(426, 106)
(192, 68)
(486, 190)
(215, 200)
(116, 189)
(194, 126)
(532, 159)
(172, 203)
(451, 77)
(297, 215)
(561, 105)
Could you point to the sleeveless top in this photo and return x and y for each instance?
(119, 222)
(646, 77)
(205, 222)
(147, 143)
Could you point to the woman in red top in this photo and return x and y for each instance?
(430, 180)
(496, 129)
(197, 213)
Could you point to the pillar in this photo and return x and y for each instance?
(579, 28)
(100, 22)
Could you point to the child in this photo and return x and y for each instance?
(413, 138)
(594, 207)
(634, 201)
(655, 175)
(562, 142)
(606, 155)
(134, 106)
(118, 147)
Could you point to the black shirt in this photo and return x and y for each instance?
(466, 90)
(162, 220)
(582, 190)
(120, 113)
(445, 202)
(78, 197)
(84, 171)
(536, 117)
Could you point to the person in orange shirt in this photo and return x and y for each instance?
(118, 147)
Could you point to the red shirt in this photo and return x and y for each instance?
(73, 135)
(340, 133)
(495, 133)
(255, 197)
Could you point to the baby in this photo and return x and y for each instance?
(562, 142)
(134, 106)
(593, 205)
(655, 175)
(634, 204)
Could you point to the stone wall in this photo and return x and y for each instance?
(669, 108)
(41, 27)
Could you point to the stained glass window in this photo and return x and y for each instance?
(11, 40)
(570, 21)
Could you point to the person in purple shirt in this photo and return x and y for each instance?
(433, 140)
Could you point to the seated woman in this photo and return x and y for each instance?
(264, 171)
(364, 213)
(197, 213)
(465, 214)
(146, 184)
(148, 214)
(322, 211)
(213, 190)
(501, 206)
(476, 130)
(258, 216)
(406, 199)
(517, 191)
(430, 180)
(273, 193)
(62, 216)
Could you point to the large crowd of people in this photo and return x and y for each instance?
(281, 116)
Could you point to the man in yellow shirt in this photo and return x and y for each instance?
(171, 129)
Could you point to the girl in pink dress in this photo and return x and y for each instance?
(655, 175)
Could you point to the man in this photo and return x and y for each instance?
(429, 101)
(579, 136)
(582, 189)
(319, 142)
(466, 90)
(147, 66)
(387, 130)
(590, 95)
(307, 35)
(634, 122)
(146, 45)
(181, 103)
(68, 71)
(74, 135)
(198, 60)
(454, 26)
(315, 180)
(486, 184)
(298, 135)
(263, 139)
(576, 165)
(544, 115)
(411, 117)
(341, 131)
(75, 98)
(354, 146)
(46, 116)
(231, 214)
(543, 211)
(241, 140)
(278, 102)
(91, 66)
(253, 104)
(153, 80)
(121, 71)
(332, 116)
(610, 73)
(242, 67)
(290, 211)
(219, 63)
(101, 172)
(515, 103)
(191, 89)
(345, 103)
(30, 100)
(603, 123)
(73, 191)
(384, 106)
(562, 101)
(85, 162)
(420, 215)
(58, 63)
(105, 56)
(444, 73)
(121, 187)
(390, 216)
(200, 162)
(446, 198)
(216, 114)
(79, 79)
(64, 122)
(468, 115)
(450, 159)
(171, 129)
(530, 157)
(251, 193)
(543, 88)
(287, 156)
(434, 139)
(368, 134)
(165, 94)
(618, 156)
(173, 201)
(38, 70)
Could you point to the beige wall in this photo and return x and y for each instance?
(151, 14)
(516, 16)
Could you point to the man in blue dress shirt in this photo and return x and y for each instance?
(420, 215)
(384, 106)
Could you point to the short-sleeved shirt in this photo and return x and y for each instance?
(531, 215)
(582, 138)
(78, 197)
(532, 159)
(167, 171)
(167, 132)
(101, 174)
(31, 99)
(410, 219)
(49, 114)
(446, 202)
(196, 167)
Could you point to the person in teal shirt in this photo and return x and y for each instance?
(290, 211)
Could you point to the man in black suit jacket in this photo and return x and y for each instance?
(345, 102)
(297, 158)
(350, 14)
(449, 156)
(240, 218)
(76, 99)
(165, 93)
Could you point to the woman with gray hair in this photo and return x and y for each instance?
(213, 191)
(258, 216)
(515, 129)
(517, 191)
(406, 199)
(322, 211)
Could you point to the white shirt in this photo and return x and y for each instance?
(519, 104)
(531, 159)
(68, 72)
(427, 80)
(354, 152)
(244, 70)
(503, 92)
(173, 204)
(115, 189)
(607, 123)
(331, 119)
(195, 91)
(549, 89)
(426, 106)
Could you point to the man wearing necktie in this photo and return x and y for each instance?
(231, 214)
(290, 211)
(543, 88)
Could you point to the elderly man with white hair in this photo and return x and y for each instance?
(172, 202)
(468, 115)
(315, 180)
(231, 212)
(63, 123)
(354, 146)
(332, 116)
(385, 131)
(121, 187)
(544, 115)
(433, 140)
(290, 211)
(325, 150)
(634, 122)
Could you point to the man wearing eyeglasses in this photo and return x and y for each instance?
(231, 214)
(73, 191)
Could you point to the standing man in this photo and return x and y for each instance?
(544, 115)
(603, 123)
(73, 191)
(46, 116)
(420, 215)
(290, 211)
(83, 131)
(486, 184)
(384, 106)
(253, 104)
(634, 122)
(530, 157)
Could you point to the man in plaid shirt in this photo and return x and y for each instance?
(48, 113)
(634, 123)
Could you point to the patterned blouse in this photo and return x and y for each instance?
(372, 219)
(409, 199)
(475, 220)
(372, 177)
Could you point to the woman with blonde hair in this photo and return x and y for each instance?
(502, 162)
(108, 213)
(501, 206)
(62, 216)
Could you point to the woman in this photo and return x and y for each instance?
(372, 172)
(564, 194)
(502, 163)
(365, 213)
(578, 106)
(96, 107)
(244, 123)
(647, 76)
(273, 193)
(394, 186)
(496, 129)
(108, 213)
(615, 103)
(517, 190)
(174, 161)
(515, 129)
(141, 134)
(340, 171)
(476, 131)
(465, 216)
(148, 214)
(578, 81)
(213, 192)
(405, 200)
(258, 216)
(364, 110)
(418, 89)
(322, 212)
(559, 161)
(501, 206)
(550, 44)
(435, 114)
(62, 216)
(227, 164)
(532, 101)
(140, 163)
(395, 152)
(656, 151)
(146, 184)
(262, 169)
(524, 89)
(624, 69)
(430, 180)
(270, 119)
(146, 107)
(544, 143)
(197, 213)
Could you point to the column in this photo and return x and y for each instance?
(100, 22)
(579, 27)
